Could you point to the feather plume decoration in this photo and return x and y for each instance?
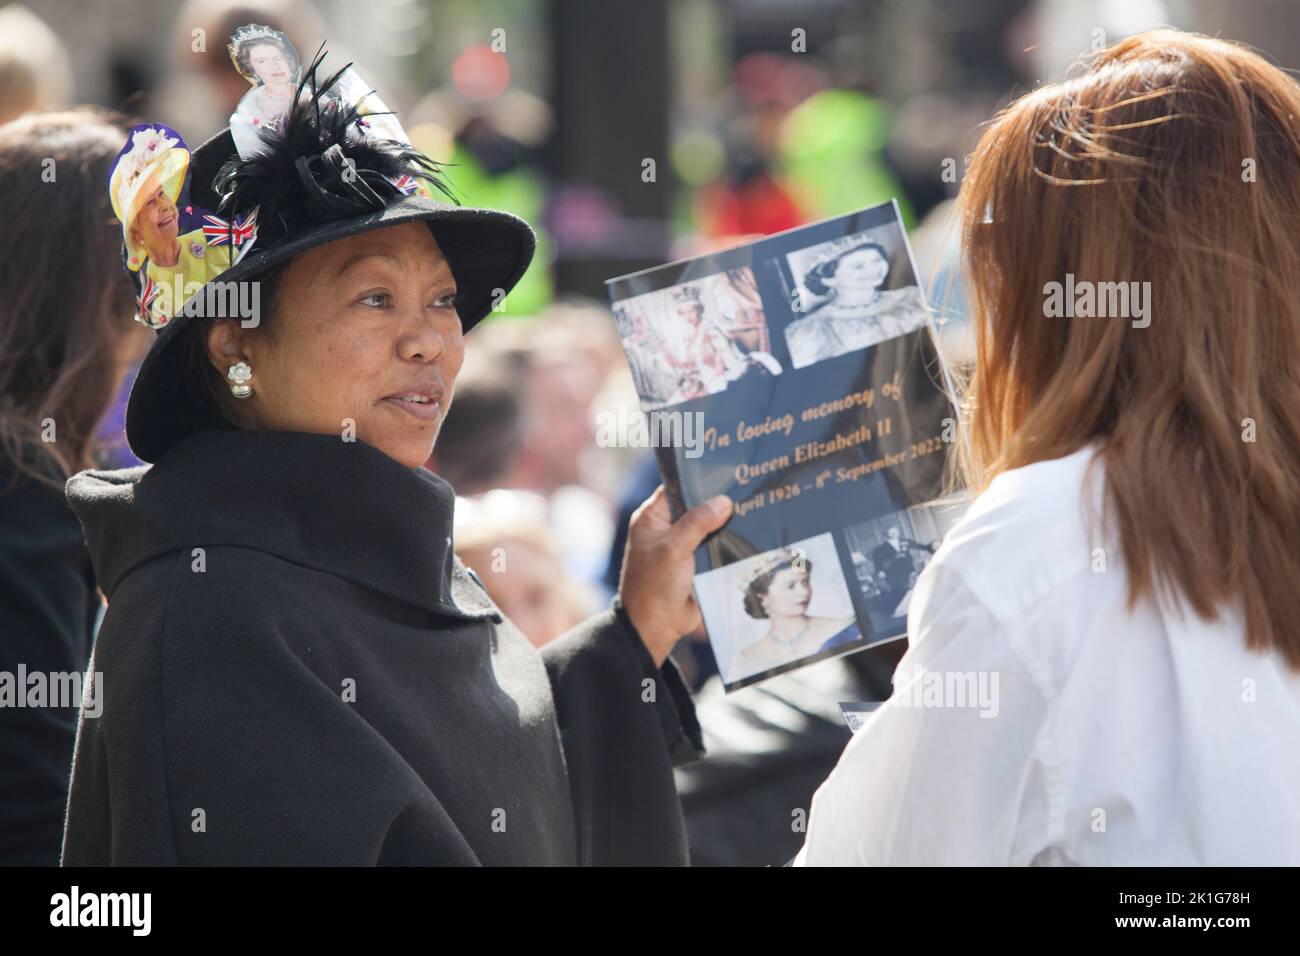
(318, 166)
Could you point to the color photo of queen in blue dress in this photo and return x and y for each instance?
(777, 589)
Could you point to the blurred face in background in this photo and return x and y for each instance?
(559, 400)
(529, 588)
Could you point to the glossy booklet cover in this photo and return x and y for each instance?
(797, 375)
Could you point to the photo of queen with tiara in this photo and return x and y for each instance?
(778, 590)
(777, 609)
(843, 291)
(269, 60)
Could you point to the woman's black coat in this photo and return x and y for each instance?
(298, 670)
(48, 605)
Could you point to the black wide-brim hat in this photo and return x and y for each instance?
(486, 249)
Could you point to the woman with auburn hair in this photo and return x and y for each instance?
(1105, 652)
(65, 347)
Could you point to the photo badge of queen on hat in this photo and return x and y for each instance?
(150, 168)
(324, 164)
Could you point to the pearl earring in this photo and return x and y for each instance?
(239, 374)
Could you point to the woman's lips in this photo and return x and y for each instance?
(425, 411)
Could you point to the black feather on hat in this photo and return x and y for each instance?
(317, 179)
(317, 167)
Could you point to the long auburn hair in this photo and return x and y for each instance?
(1174, 159)
(68, 302)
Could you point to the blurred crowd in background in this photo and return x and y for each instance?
(756, 117)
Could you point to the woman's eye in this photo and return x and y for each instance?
(376, 300)
(448, 301)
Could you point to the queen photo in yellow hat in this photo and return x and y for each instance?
(146, 186)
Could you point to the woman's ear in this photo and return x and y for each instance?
(225, 341)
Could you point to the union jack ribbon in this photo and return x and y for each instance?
(149, 292)
(218, 232)
(407, 184)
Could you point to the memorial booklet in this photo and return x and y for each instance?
(856, 712)
(797, 374)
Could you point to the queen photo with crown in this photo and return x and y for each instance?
(705, 358)
(697, 338)
(847, 279)
(267, 59)
(779, 589)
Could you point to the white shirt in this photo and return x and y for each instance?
(1114, 736)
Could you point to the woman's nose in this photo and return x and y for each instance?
(425, 338)
(423, 346)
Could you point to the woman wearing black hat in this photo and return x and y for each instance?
(296, 667)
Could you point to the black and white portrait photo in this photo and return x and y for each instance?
(851, 293)
(696, 338)
(889, 553)
(777, 608)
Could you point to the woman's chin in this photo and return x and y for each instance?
(412, 454)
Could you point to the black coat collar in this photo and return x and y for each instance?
(341, 507)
